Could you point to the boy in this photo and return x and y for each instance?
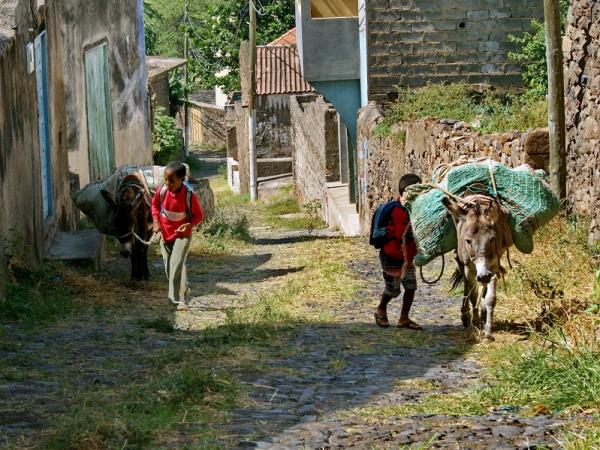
(396, 258)
(175, 221)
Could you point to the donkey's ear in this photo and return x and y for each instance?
(454, 208)
(109, 198)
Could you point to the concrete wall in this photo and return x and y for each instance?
(421, 146)
(413, 42)
(316, 156)
(328, 48)
(583, 110)
(207, 125)
(119, 23)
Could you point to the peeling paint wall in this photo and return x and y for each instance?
(81, 26)
(583, 110)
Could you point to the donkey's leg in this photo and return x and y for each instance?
(465, 310)
(490, 303)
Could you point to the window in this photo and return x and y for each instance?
(320, 9)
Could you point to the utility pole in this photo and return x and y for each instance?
(251, 109)
(186, 123)
(556, 99)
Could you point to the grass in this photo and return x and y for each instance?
(283, 212)
(139, 414)
(487, 112)
(36, 296)
(159, 324)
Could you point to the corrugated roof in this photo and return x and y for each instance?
(288, 38)
(278, 71)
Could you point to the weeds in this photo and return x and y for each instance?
(282, 211)
(159, 324)
(487, 112)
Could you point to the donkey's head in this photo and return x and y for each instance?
(127, 204)
(483, 234)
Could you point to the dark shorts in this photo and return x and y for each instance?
(389, 262)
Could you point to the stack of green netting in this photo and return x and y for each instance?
(522, 191)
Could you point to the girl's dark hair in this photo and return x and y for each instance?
(177, 168)
(408, 180)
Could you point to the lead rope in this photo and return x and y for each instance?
(438, 278)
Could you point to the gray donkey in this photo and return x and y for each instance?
(483, 238)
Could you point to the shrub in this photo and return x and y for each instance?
(166, 138)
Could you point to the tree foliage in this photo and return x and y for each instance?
(532, 54)
(215, 39)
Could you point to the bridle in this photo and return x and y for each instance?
(137, 201)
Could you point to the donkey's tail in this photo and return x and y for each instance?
(458, 278)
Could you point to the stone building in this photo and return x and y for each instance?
(73, 105)
(582, 54)
(278, 77)
(356, 51)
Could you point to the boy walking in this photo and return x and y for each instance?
(396, 259)
(175, 213)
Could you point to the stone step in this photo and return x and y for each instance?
(82, 245)
(340, 212)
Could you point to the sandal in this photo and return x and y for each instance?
(381, 321)
(411, 325)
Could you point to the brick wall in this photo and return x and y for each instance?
(583, 110)
(316, 160)
(412, 42)
(207, 125)
(421, 146)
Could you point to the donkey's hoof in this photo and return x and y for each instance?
(466, 320)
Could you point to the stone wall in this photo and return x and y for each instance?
(421, 146)
(315, 158)
(273, 126)
(583, 110)
(413, 42)
(207, 125)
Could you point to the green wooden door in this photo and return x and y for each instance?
(99, 116)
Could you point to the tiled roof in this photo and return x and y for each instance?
(278, 71)
(288, 38)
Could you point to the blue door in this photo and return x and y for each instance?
(99, 115)
(41, 73)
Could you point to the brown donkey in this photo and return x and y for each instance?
(483, 238)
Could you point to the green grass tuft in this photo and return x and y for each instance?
(159, 324)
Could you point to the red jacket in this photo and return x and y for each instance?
(398, 231)
(172, 213)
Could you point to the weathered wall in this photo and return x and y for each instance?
(81, 26)
(159, 90)
(411, 43)
(207, 125)
(21, 226)
(583, 110)
(315, 158)
(273, 126)
(421, 146)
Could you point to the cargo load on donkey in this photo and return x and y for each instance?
(479, 208)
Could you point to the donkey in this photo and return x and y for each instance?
(483, 238)
(133, 223)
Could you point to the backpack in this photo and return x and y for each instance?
(381, 219)
(188, 198)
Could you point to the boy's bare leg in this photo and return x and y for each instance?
(407, 301)
(381, 313)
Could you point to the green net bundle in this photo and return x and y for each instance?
(522, 191)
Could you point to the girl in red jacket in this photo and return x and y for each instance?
(175, 213)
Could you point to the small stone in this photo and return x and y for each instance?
(506, 431)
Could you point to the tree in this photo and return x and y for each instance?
(215, 39)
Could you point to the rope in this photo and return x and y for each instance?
(438, 278)
(153, 239)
